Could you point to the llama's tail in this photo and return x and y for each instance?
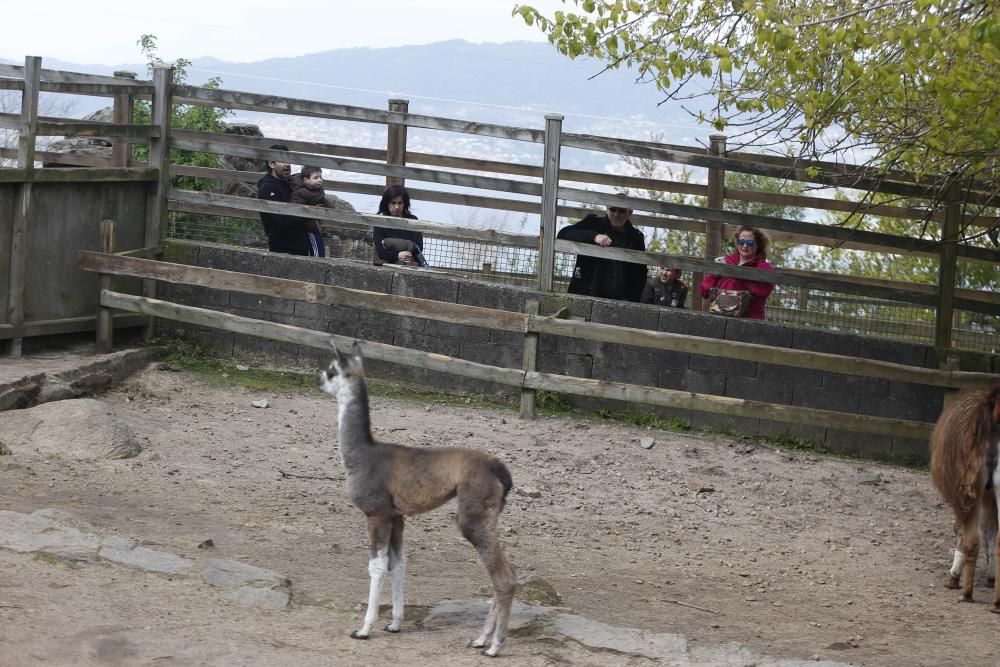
(500, 471)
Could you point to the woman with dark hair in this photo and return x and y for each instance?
(397, 246)
(751, 251)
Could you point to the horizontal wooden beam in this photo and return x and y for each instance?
(273, 104)
(216, 204)
(732, 407)
(77, 175)
(48, 126)
(48, 157)
(283, 288)
(95, 129)
(136, 86)
(96, 89)
(699, 159)
(361, 166)
(66, 325)
(317, 339)
(858, 208)
(833, 363)
(832, 232)
(292, 144)
(152, 252)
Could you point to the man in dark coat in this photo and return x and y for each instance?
(607, 278)
(285, 233)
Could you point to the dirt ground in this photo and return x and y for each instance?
(794, 555)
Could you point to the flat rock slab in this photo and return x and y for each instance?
(80, 428)
(123, 551)
(472, 613)
(60, 534)
(233, 574)
(40, 533)
(664, 647)
(653, 645)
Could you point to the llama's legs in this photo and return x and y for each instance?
(988, 534)
(994, 521)
(969, 545)
(379, 531)
(397, 566)
(479, 526)
(957, 563)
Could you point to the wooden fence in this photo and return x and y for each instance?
(526, 379)
(526, 188)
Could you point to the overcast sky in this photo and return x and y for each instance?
(102, 32)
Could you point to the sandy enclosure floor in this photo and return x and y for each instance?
(794, 555)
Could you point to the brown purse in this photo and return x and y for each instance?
(729, 302)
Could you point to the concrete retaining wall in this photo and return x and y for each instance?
(738, 378)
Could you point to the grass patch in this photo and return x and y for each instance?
(554, 404)
(184, 354)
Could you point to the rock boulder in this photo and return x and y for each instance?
(81, 428)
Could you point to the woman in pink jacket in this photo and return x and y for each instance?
(751, 251)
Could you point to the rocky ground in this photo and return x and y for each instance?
(724, 542)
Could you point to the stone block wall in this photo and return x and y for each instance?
(738, 378)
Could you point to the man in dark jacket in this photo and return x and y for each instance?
(608, 278)
(285, 233)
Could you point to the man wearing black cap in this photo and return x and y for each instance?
(285, 233)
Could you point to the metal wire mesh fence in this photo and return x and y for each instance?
(519, 266)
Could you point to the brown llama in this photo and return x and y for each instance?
(964, 467)
(388, 482)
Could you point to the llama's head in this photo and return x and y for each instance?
(344, 369)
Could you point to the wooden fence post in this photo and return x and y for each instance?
(159, 159)
(395, 147)
(803, 298)
(121, 151)
(950, 231)
(530, 362)
(716, 199)
(550, 191)
(105, 316)
(27, 131)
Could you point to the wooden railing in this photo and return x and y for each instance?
(527, 379)
(527, 188)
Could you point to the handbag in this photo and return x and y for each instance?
(729, 302)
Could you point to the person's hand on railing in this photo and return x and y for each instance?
(602, 240)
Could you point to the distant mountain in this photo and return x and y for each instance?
(514, 82)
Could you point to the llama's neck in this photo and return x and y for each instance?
(353, 421)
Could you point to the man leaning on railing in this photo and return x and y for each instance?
(607, 278)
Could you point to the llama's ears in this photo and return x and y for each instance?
(356, 352)
(338, 358)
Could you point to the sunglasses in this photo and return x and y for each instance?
(617, 210)
(746, 243)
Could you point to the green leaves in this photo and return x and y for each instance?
(187, 117)
(911, 82)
